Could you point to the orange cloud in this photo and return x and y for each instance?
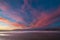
(10, 25)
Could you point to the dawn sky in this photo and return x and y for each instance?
(31, 13)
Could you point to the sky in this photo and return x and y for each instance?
(30, 13)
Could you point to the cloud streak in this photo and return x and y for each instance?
(28, 17)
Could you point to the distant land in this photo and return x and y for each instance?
(36, 29)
